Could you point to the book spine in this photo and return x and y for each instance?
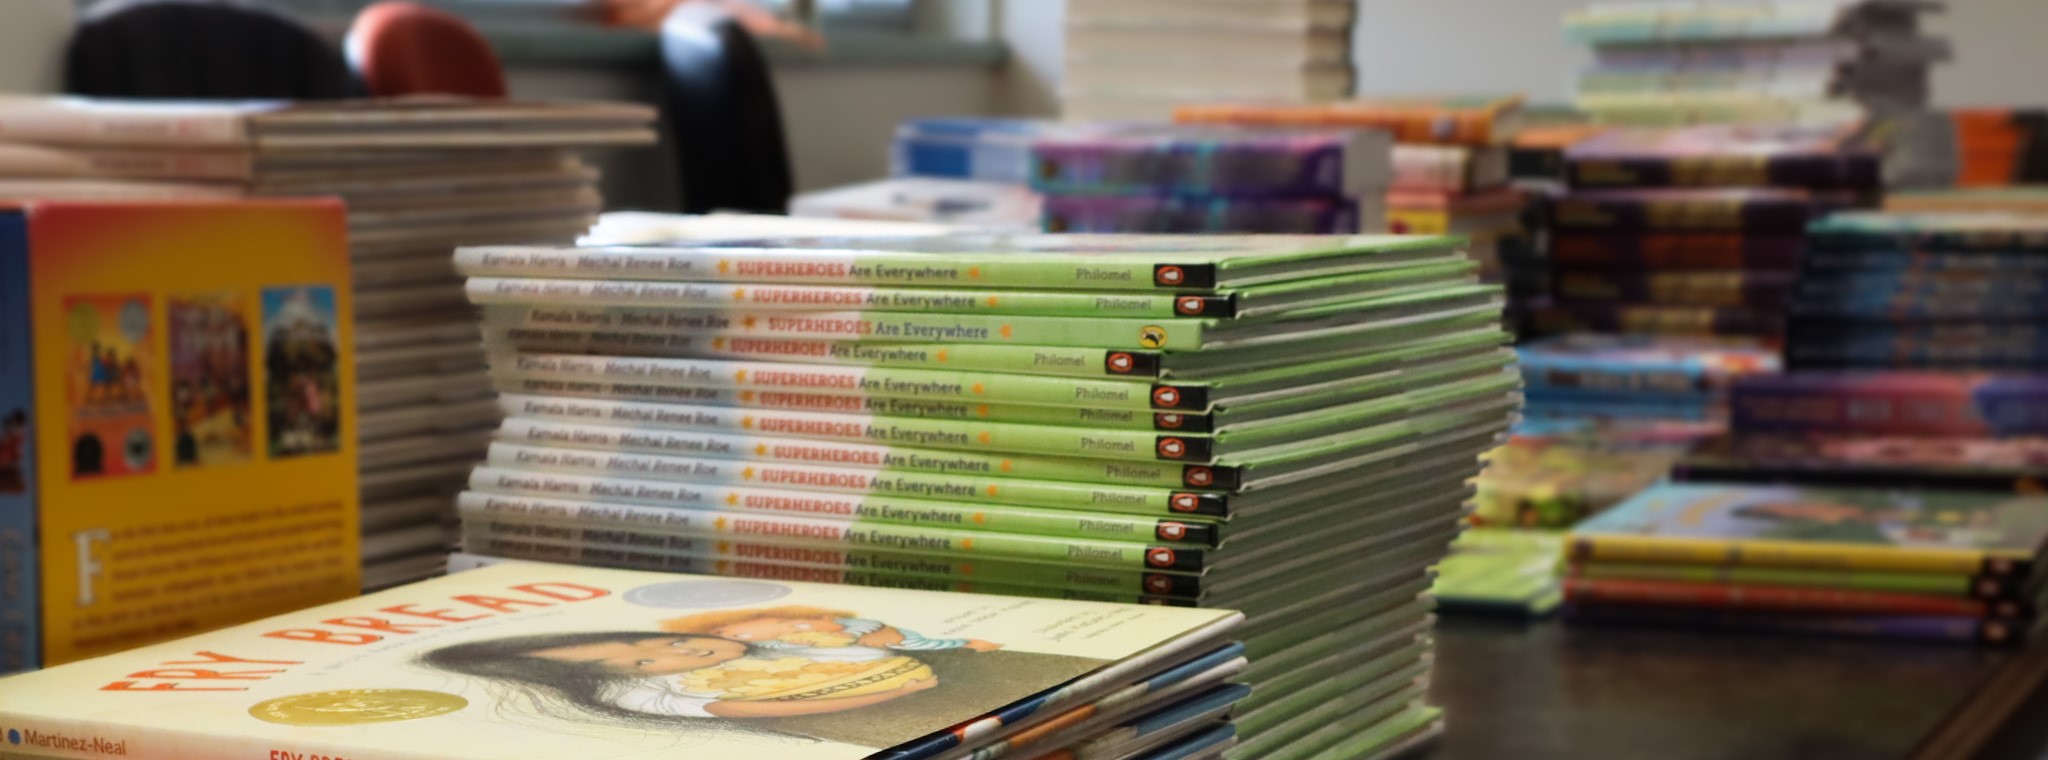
(60, 125)
(1674, 320)
(1706, 288)
(20, 580)
(1918, 309)
(1934, 243)
(1159, 215)
(1893, 404)
(852, 508)
(541, 517)
(543, 422)
(1025, 360)
(670, 294)
(1677, 251)
(834, 268)
(1119, 419)
(1930, 584)
(1702, 214)
(1791, 554)
(1919, 628)
(1614, 591)
(1541, 375)
(1993, 263)
(875, 481)
(1235, 168)
(887, 327)
(1832, 171)
(20, 160)
(1855, 475)
(943, 434)
(866, 382)
(1432, 168)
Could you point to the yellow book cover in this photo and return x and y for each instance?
(552, 662)
(177, 446)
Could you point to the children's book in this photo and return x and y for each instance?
(1892, 403)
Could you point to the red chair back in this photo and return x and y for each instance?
(401, 48)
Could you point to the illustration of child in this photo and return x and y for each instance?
(794, 628)
(656, 676)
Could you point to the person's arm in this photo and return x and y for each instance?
(724, 709)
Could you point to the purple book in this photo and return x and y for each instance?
(1891, 403)
(1164, 215)
(1210, 161)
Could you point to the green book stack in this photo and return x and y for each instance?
(1280, 425)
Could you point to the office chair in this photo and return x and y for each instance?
(200, 49)
(719, 104)
(402, 48)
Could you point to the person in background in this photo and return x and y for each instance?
(758, 21)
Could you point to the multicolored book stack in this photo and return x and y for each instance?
(1957, 291)
(1449, 162)
(1884, 429)
(1597, 377)
(1196, 179)
(1773, 62)
(1926, 565)
(1134, 60)
(419, 177)
(1282, 425)
(1695, 229)
(534, 660)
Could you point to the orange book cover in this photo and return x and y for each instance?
(177, 445)
(1485, 120)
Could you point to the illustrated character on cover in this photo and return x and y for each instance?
(798, 629)
(1899, 520)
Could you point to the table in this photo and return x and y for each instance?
(1541, 690)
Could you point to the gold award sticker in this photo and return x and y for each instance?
(354, 707)
(1152, 336)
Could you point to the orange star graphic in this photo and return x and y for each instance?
(761, 450)
(985, 437)
(973, 273)
(747, 396)
(1005, 331)
(747, 322)
(747, 422)
(982, 410)
(942, 356)
(724, 546)
(718, 343)
(991, 490)
(730, 499)
(978, 389)
(739, 294)
(992, 300)
(739, 376)
(980, 519)
(967, 544)
(724, 266)
(747, 474)
(1006, 465)
(719, 524)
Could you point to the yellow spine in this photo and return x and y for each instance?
(1767, 553)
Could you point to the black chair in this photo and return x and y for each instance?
(201, 49)
(719, 103)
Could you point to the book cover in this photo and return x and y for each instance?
(1483, 120)
(1998, 465)
(1209, 162)
(1813, 600)
(1695, 288)
(1084, 214)
(1448, 168)
(1658, 320)
(1684, 366)
(526, 659)
(1790, 526)
(1924, 584)
(176, 397)
(1892, 403)
(1547, 479)
(1722, 155)
(1959, 630)
(1742, 210)
(1496, 571)
(1678, 251)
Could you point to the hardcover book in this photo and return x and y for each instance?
(543, 660)
(1722, 156)
(1211, 161)
(179, 441)
(1892, 403)
(1483, 120)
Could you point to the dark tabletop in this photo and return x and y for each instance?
(1542, 690)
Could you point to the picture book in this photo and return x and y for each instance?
(1925, 584)
(1892, 403)
(1814, 600)
(1207, 161)
(1448, 168)
(1791, 526)
(1677, 251)
(1694, 288)
(1659, 320)
(1227, 215)
(177, 430)
(1722, 155)
(1642, 364)
(546, 660)
(2002, 465)
(1484, 120)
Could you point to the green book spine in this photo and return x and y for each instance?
(999, 518)
(1071, 416)
(1938, 584)
(876, 481)
(542, 422)
(764, 297)
(566, 519)
(679, 554)
(1054, 361)
(943, 434)
(831, 267)
(888, 327)
(763, 377)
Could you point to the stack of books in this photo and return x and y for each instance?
(1200, 179)
(419, 177)
(1589, 376)
(1958, 292)
(1891, 429)
(1553, 476)
(530, 660)
(1782, 61)
(1134, 60)
(1928, 565)
(963, 172)
(1693, 229)
(1280, 425)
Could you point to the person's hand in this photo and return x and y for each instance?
(648, 15)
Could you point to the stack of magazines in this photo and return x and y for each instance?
(1281, 425)
(1958, 291)
(419, 177)
(1929, 565)
(1776, 61)
(532, 661)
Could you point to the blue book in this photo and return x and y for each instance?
(20, 647)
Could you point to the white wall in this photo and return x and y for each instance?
(32, 37)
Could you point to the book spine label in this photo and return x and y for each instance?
(1120, 419)
(834, 268)
(567, 519)
(638, 557)
(867, 382)
(1788, 598)
(887, 327)
(876, 481)
(1025, 360)
(942, 434)
(532, 425)
(20, 581)
(1702, 214)
(844, 507)
(759, 297)
(1793, 554)
(1699, 250)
